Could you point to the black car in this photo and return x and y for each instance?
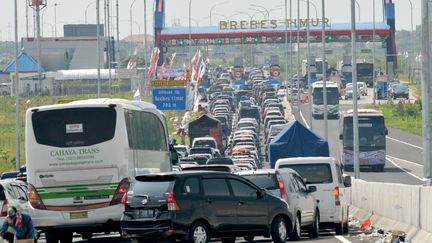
(400, 91)
(197, 206)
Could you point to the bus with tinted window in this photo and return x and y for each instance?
(82, 157)
(372, 139)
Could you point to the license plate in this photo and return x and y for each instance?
(364, 162)
(145, 213)
(78, 215)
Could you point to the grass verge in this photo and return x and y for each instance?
(404, 116)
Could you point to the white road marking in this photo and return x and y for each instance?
(406, 161)
(412, 145)
(342, 239)
(304, 120)
(411, 174)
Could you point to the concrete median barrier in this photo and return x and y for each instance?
(394, 207)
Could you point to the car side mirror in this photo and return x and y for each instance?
(340, 136)
(174, 155)
(260, 193)
(386, 131)
(347, 181)
(311, 189)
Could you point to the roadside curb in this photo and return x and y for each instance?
(413, 234)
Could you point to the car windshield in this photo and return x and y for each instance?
(156, 187)
(371, 131)
(332, 96)
(200, 151)
(400, 88)
(313, 173)
(265, 181)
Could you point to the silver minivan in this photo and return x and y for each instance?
(325, 173)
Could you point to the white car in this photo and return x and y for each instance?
(12, 193)
(326, 174)
(204, 142)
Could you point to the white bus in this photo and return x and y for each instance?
(81, 158)
(318, 99)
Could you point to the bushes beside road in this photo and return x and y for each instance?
(403, 116)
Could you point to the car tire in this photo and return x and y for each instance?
(66, 237)
(87, 235)
(345, 228)
(296, 233)
(51, 236)
(378, 168)
(314, 228)
(249, 238)
(279, 230)
(228, 240)
(198, 233)
(339, 228)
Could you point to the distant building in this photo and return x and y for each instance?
(77, 50)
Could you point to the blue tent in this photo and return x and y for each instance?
(297, 141)
(27, 64)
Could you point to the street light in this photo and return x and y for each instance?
(130, 19)
(412, 46)
(214, 6)
(313, 5)
(354, 84)
(262, 7)
(258, 11)
(85, 13)
(358, 5)
(324, 72)
(16, 85)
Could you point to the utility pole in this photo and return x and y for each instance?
(298, 57)
(286, 51)
(108, 27)
(308, 61)
(426, 75)
(355, 93)
(38, 6)
(324, 72)
(146, 84)
(373, 54)
(17, 102)
(118, 43)
(55, 20)
(98, 48)
(291, 58)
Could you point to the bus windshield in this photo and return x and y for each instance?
(332, 96)
(364, 69)
(371, 132)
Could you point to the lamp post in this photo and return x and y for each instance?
(214, 6)
(286, 50)
(131, 21)
(412, 46)
(190, 35)
(308, 61)
(291, 59)
(258, 11)
(324, 71)
(354, 82)
(261, 7)
(358, 5)
(314, 6)
(37, 6)
(16, 87)
(298, 57)
(373, 54)
(85, 12)
(98, 48)
(147, 91)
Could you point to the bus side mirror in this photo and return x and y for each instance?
(340, 136)
(386, 131)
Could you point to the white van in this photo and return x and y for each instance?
(325, 173)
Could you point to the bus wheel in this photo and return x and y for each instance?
(379, 168)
